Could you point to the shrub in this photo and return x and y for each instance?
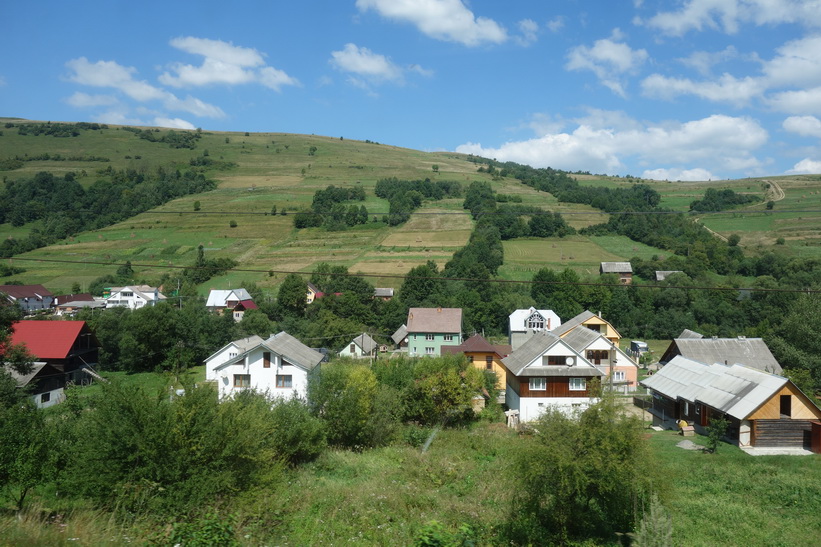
(716, 430)
(233, 224)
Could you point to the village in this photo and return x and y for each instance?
(547, 362)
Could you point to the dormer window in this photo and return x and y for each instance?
(535, 322)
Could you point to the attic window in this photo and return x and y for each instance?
(126, 293)
(535, 322)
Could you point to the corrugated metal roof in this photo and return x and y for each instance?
(616, 267)
(534, 349)
(572, 323)
(400, 334)
(365, 342)
(752, 352)
(47, 339)
(579, 339)
(735, 390)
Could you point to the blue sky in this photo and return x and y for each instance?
(679, 90)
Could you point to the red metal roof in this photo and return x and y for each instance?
(47, 339)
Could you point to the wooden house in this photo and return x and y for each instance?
(752, 352)
(623, 269)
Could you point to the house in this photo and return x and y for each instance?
(67, 346)
(45, 383)
(620, 371)
(591, 321)
(133, 297)
(383, 293)
(361, 346)
(623, 269)
(431, 328)
(234, 301)
(763, 409)
(278, 366)
(523, 323)
(547, 372)
(70, 304)
(312, 293)
(753, 352)
(30, 298)
(661, 275)
(400, 337)
(483, 355)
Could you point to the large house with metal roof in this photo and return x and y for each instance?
(620, 371)
(29, 298)
(133, 297)
(233, 301)
(763, 409)
(431, 328)
(753, 352)
(278, 366)
(590, 321)
(547, 372)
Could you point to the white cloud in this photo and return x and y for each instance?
(806, 126)
(690, 175)
(365, 63)
(798, 63)
(84, 100)
(704, 61)
(603, 141)
(448, 20)
(113, 75)
(174, 123)
(728, 15)
(797, 102)
(805, 166)
(529, 32)
(609, 60)
(726, 88)
(556, 24)
(223, 63)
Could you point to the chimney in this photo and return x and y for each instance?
(599, 314)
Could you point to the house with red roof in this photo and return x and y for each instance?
(67, 346)
(233, 301)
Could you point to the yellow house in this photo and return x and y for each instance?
(483, 355)
(589, 320)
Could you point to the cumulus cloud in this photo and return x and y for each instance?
(556, 24)
(448, 20)
(689, 175)
(805, 166)
(807, 101)
(727, 88)
(798, 63)
(704, 61)
(806, 126)
(173, 123)
(363, 62)
(84, 100)
(601, 142)
(223, 63)
(609, 59)
(113, 75)
(729, 15)
(529, 30)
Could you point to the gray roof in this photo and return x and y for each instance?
(24, 379)
(365, 342)
(243, 344)
(383, 292)
(294, 351)
(535, 347)
(752, 352)
(579, 339)
(687, 333)
(400, 334)
(435, 320)
(661, 275)
(616, 267)
(735, 390)
(573, 322)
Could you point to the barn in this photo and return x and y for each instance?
(763, 409)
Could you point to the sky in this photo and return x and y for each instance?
(667, 90)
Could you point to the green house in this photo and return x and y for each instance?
(431, 328)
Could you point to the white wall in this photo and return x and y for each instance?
(263, 379)
(56, 396)
(530, 408)
(222, 356)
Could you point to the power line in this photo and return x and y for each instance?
(406, 277)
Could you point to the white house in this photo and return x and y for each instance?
(545, 372)
(133, 297)
(279, 366)
(234, 301)
(361, 346)
(522, 324)
(620, 371)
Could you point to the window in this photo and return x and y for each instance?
(429, 351)
(126, 294)
(538, 384)
(596, 356)
(429, 338)
(232, 354)
(619, 376)
(489, 362)
(242, 380)
(266, 359)
(45, 397)
(448, 338)
(578, 384)
(284, 380)
(470, 358)
(596, 328)
(556, 360)
(352, 349)
(535, 322)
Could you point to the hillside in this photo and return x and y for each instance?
(260, 171)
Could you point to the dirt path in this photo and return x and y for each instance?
(774, 193)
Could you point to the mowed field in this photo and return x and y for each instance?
(285, 170)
